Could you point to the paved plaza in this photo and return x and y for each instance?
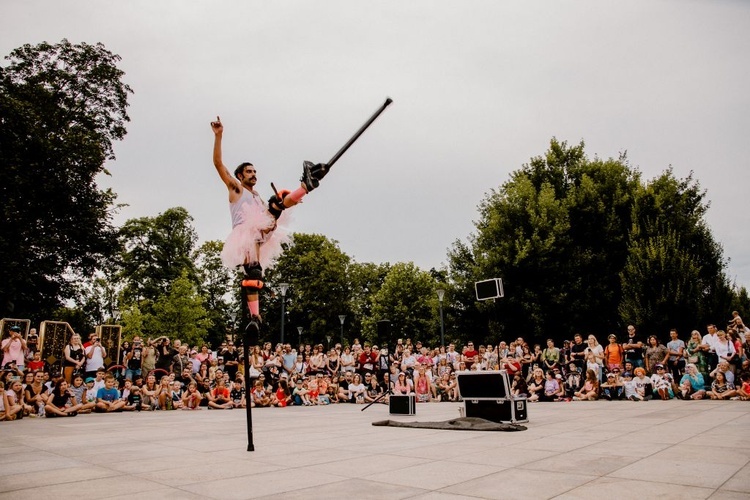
(654, 449)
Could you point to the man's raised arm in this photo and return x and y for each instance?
(230, 181)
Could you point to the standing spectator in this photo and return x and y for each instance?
(724, 348)
(633, 346)
(709, 343)
(577, 352)
(164, 354)
(134, 359)
(614, 354)
(595, 357)
(14, 347)
(181, 360)
(656, 353)
(676, 348)
(231, 359)
(148, 361)
(73, 357)
(696, 350)
(32, 345)
(95, 354)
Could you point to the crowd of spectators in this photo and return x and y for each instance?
(161, 374)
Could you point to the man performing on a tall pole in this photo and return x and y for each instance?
(255, 241)
(253, 222)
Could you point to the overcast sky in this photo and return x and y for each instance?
(478, 88)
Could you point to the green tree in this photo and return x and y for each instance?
(584, 245)
(675, 271)
(215, 286)
(179, 313)
(61, 106)
(317, 272)
(365, 280)
(156, 251)
(407, 299)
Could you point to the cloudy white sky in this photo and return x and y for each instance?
(479, 87)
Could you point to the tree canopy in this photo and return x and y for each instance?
(585, 245)
(61, 108)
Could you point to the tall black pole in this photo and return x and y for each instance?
(248, 406)
(359, 132)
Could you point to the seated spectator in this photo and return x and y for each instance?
(36, 393)
(373, 390)
(553, 390)
(692, 385)
(402, 386)
(662, 382)
(191, 398)
(590, 389)
(721, 388)
(724, 368)
(612, 388)
(536, 385)
(283, 396)
(573, 382)
(300, 394)
(744, 391)
(643, 383)
(519, 388)
(80, 391)
(175, 393)
(61, 402)
(218, 397)
(357, 389)
(12, 403)
(630, 390)
(133, 402)
(259, 397)
(422, 385)
(108, 398)
(447, 388)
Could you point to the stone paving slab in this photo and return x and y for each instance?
(655, 449)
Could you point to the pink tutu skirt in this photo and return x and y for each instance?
(241, 246)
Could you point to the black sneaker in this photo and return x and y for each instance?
(308, 179)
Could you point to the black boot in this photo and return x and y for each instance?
(312, 173)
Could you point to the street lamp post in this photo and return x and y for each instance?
(299, 330)
(283, 287)
(342, 317)
(441, 294)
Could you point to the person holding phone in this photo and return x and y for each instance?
(13, 348)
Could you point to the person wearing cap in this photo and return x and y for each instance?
(662, 382)
(629, 387)
(614, 354)
(612, 388)
(13, 348)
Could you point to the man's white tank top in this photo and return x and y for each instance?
(235, 209)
